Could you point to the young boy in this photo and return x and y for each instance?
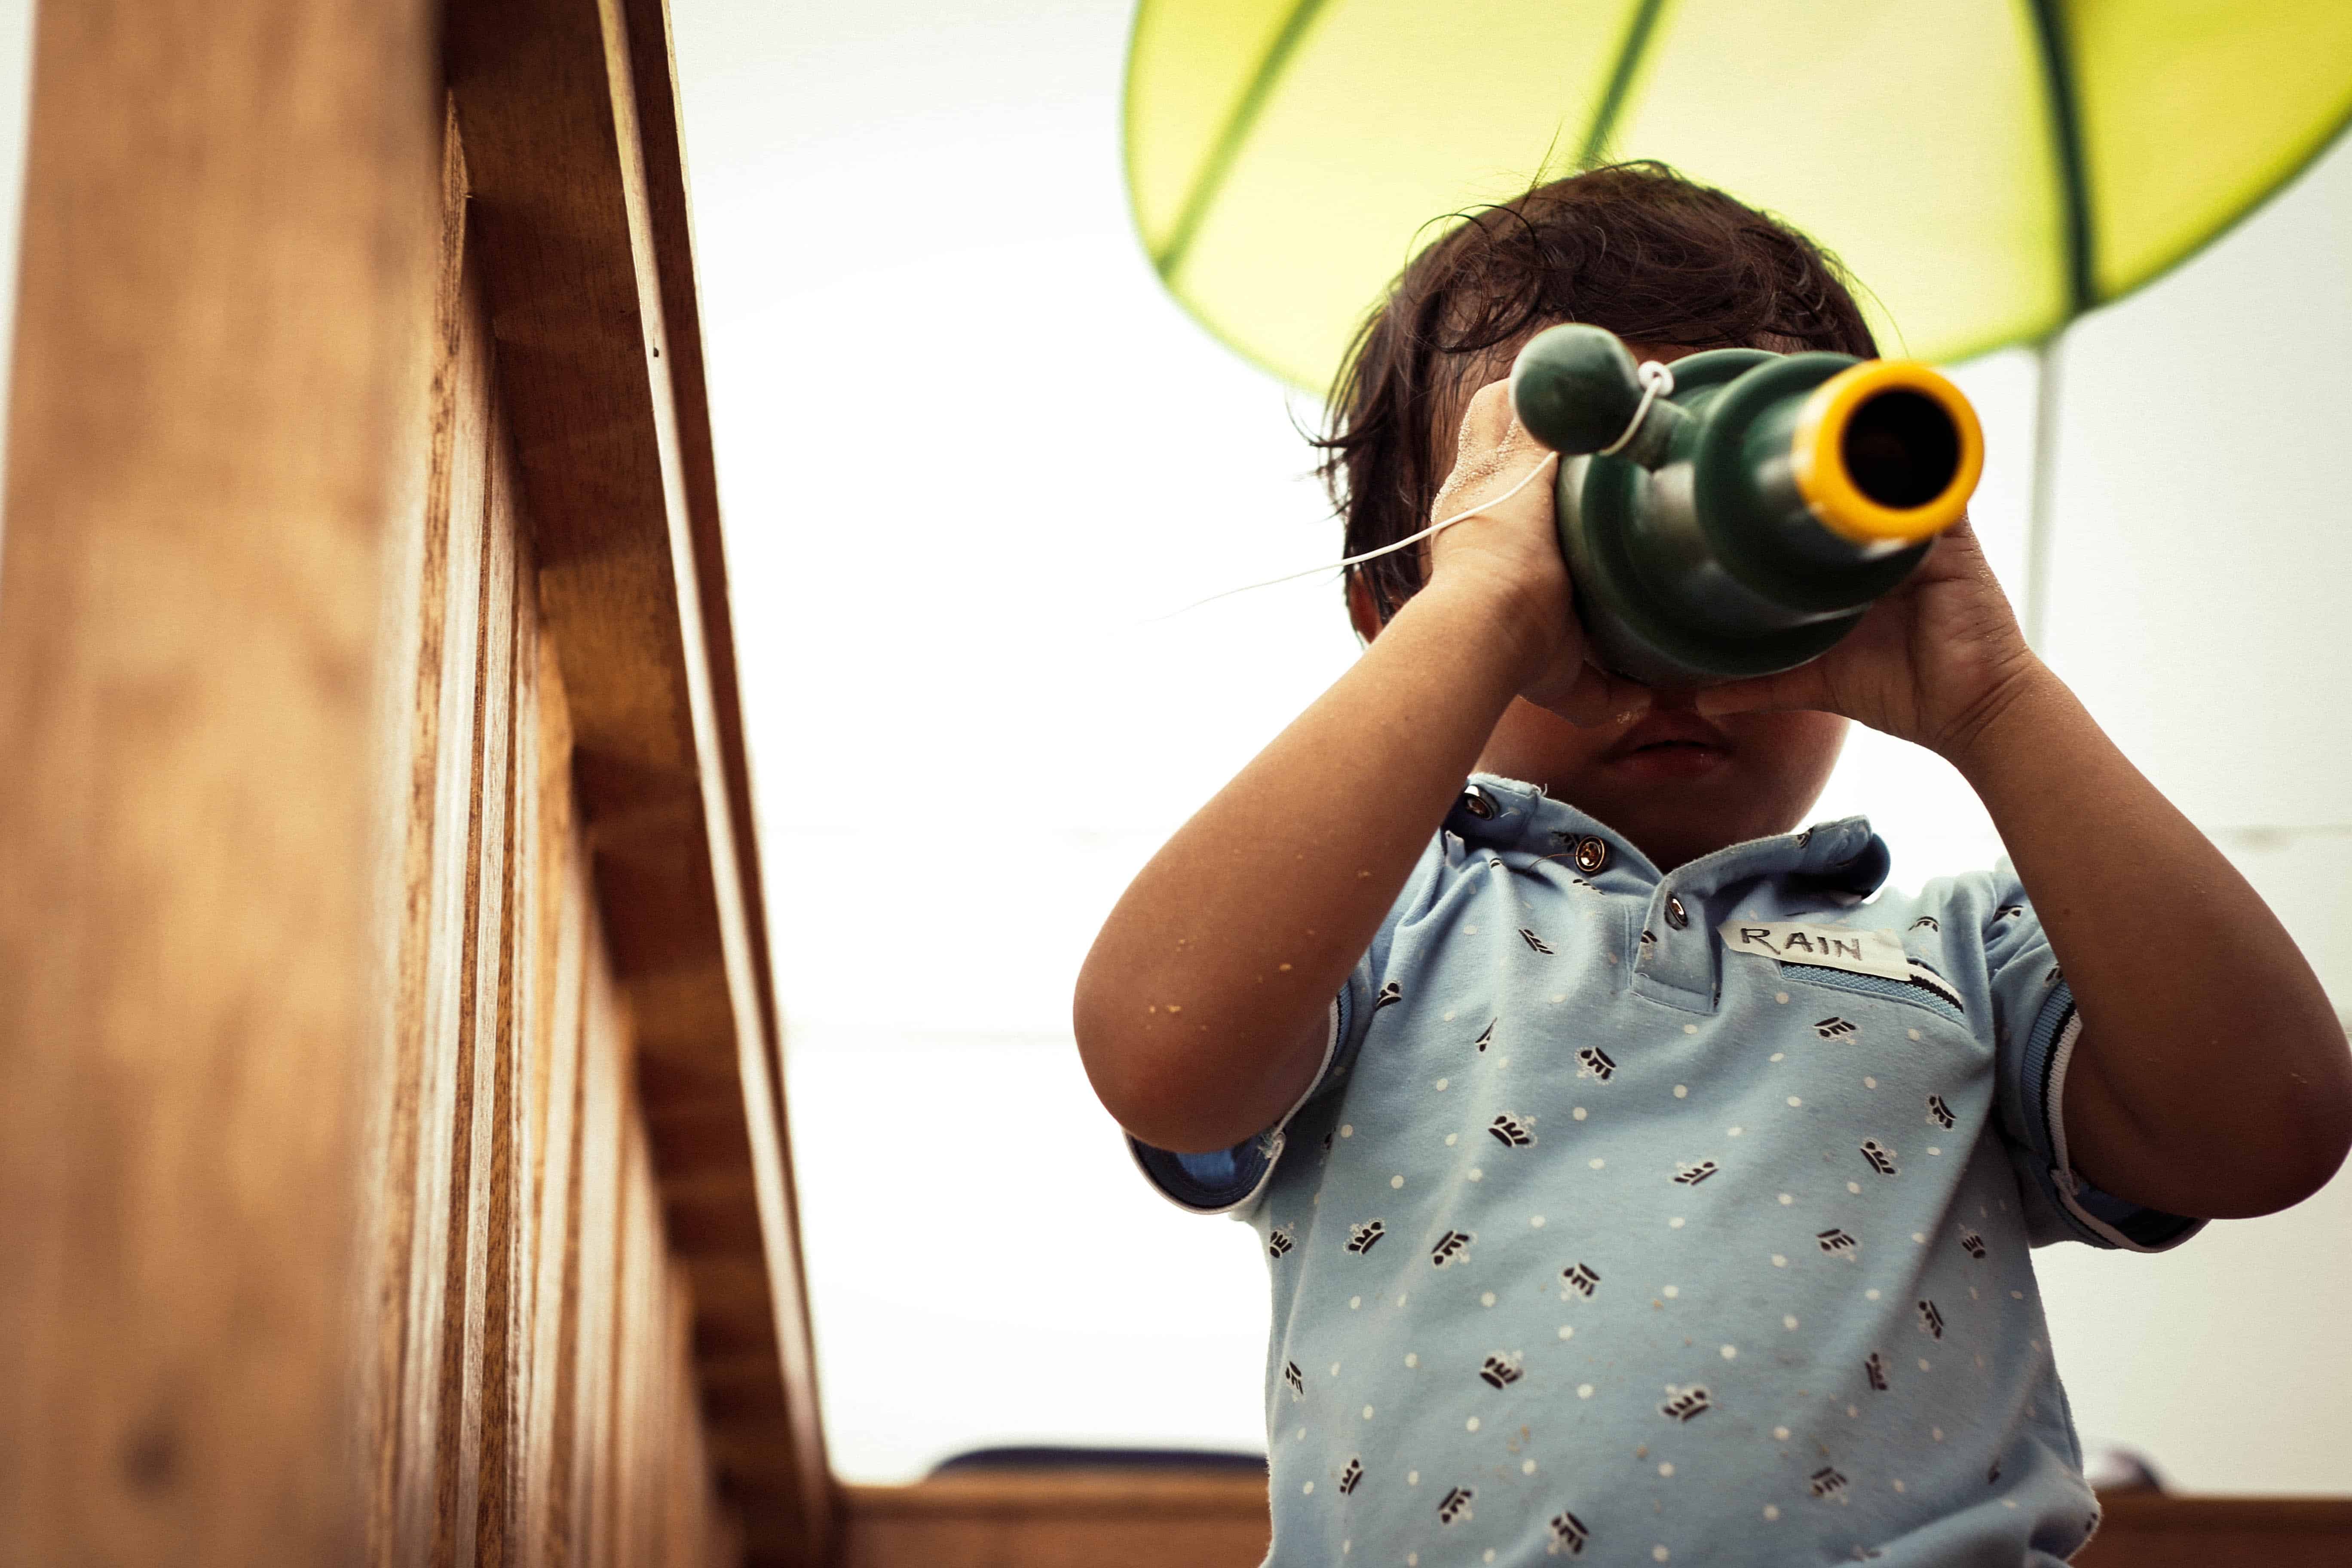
(1633, 1188)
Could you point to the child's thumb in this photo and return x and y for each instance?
(1798, 688)
(1594, 696)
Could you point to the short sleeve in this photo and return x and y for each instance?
(2036, 1029)
(1232, 1181)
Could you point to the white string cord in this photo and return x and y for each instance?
(1525, 481)
(1657, 380)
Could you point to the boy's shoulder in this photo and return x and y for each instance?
(1977, 901)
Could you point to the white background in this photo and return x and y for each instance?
(969, 451)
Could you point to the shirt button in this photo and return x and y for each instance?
(1592, 854)
(1475, 801)
(1675, 915)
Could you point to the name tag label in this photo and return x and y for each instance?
(1857, 952)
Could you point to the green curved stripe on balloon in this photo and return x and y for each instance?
(2067, 147)
(1620, 82)
(1237, 128)
(1989, 169)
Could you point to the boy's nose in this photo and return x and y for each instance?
(1685, 698)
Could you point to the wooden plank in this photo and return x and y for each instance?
(1077, 1518)
(553, 1201)
(567, 1482)
(2149, 1530)
(436, 1016)
(529, 962)
(480, 957)
(504, 1298)
(1152, 1519)
(701, 1533)
(601, 1217)
(653, 59)
(641, 1247)
(579, 207)
(477, 1522)
(224, 254)
(417, 604)
(1067, 1494)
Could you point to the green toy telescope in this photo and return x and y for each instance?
(1737, 516)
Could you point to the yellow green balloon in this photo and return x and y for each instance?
(1987, 169)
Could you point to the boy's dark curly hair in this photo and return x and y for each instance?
(1634, 247)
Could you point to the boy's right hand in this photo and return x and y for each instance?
(1203, 1011)
(1507, 562)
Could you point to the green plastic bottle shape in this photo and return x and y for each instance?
(1738, 519)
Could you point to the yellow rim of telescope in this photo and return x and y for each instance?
(1817, 457)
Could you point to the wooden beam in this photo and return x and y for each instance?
(226, 267)
(2151, 1530)
(1159, 1519)
(569, 123)
(1059, 1519)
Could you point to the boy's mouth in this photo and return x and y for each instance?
(1673, 743)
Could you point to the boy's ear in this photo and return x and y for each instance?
(1361, 609)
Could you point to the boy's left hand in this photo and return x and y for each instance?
(2160, 982)
(1929, 662)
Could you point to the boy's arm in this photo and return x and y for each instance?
(2210, 1079)
(1200, 1010)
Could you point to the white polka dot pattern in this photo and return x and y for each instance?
(1748, 1117)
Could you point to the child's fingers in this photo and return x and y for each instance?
(1802, 687)
(1490, 422)
(1490, 452)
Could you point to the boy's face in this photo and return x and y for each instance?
(1678, 786)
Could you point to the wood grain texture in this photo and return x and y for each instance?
(569, 119)
(530, 1377)
(222, 253)
(2152, 1531)
(1154, 1519)
(1138, 1519)
(335, 1219)
(667, 224)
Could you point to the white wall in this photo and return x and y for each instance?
(968, 450)
(2200, 577)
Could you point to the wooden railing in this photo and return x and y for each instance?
(390, 1107)
(1154, 1519)
(569, 116)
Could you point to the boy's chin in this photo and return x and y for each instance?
(1676, 811)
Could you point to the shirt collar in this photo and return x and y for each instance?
(1843, 855)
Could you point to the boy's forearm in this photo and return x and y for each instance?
(2210, 1077)
(1200, 1011)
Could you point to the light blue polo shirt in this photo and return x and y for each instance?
(1679, 1218)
